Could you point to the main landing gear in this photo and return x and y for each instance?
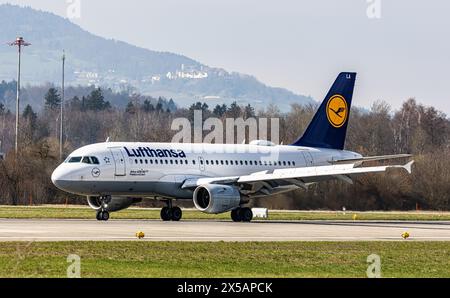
(242, 215)
(170, 213)
(103, 214)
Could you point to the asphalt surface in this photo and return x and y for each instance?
(122, 230)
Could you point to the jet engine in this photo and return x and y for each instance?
(114, 204)
(215, 199)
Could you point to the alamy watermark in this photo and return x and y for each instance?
(74, 269)
(73, 10)
(374, 9)
(374, 268)
(229, 131)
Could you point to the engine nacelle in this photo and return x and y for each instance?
(215, 199)
(115, 204)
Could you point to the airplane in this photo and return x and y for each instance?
(219, 177)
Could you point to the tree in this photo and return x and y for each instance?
(130, 109)
(147, 106)
(234, 111)
(96, 101)
(52, 99)
(29, 114)
(30, 120)
(220, 110)
(76, 104)
(249, 112)
(2, 109)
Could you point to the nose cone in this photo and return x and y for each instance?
(58, 177)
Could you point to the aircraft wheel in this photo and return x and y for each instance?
(99, 215)
(166, 214)
(105, 215)
(177, 214)
(246, 214)
(236, 215)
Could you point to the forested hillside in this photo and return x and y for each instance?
(415, 128)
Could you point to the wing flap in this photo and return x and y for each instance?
(319, 172)
(370, 158)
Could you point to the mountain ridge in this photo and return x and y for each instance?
(94, 60)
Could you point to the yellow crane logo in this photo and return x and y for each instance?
(337, 111)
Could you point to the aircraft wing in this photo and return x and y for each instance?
(268, 181)
(371, 158)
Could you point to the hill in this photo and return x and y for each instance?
(93, 60)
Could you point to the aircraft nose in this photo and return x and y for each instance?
(57, 177)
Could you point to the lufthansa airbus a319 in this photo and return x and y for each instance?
(219, 177)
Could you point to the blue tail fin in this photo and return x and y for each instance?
(328, 128)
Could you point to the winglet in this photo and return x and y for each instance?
(408, 166)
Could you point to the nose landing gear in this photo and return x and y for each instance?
(103, 214)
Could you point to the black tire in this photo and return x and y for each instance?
(246, 214)
(99, 215)
(177, 214)
(236, 215)
(166, 214)
(105, 215)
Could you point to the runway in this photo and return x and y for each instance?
(123, 230)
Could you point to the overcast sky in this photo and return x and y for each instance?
(296, 44)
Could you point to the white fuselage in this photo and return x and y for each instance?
(159, 169)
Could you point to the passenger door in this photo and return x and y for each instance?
(119, 161)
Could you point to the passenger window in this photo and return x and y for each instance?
(75, 160)
(242, 163)
(284, 163)
(167, 162)
(226, 162)
(293, 163)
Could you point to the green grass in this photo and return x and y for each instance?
(60, 212)
(206, 259)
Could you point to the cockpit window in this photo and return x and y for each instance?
(76, 159)
(87, 160)
(91, 160)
